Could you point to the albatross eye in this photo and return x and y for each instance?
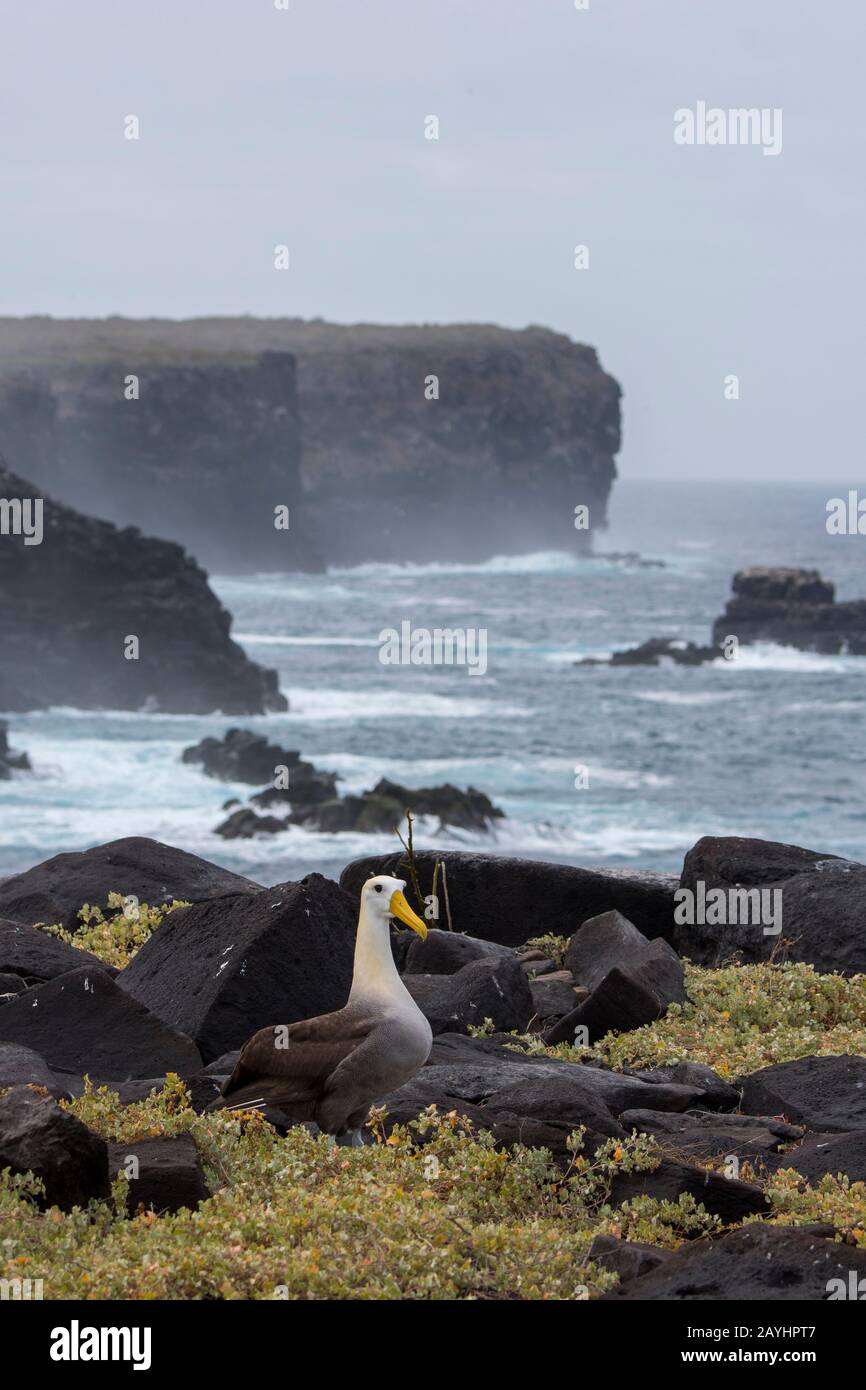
(378, 887)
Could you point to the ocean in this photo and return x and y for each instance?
(772, 744)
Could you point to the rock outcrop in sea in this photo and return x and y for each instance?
(307, 796)
(794, 607)
(791, 607)
(398, 443)
(71, 604)
(10, 761)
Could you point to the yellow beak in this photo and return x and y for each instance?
(400, 909)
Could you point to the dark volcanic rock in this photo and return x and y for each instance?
(383, 808)
(728, 1198)
(21, 1066)
(705, 1135)
(601, 943)
(243, 756)
(9, 761)
(794, 607)
(510, 900)
(717, 1094)
(54, 891)
(82, 1022)
(446, 952)
(823, 1093)
(722, 860)
(822, 899)
(656, 650)
(165, 1174)
(627, 1258)
(758, 1263)
(826, 1153)
(33, 956)
(495, 989)
(627, 997)
(244, 824)
(11, 985)
(552, 998)
(221, 970)
(71, 603)
(37, 1136)
(439, 1086)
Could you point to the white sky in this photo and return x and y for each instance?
(260, 126)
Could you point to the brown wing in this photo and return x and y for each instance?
(289, 1065)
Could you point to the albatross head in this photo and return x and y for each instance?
(382, 898)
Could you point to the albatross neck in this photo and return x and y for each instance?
(375, 974)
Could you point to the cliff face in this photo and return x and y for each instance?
(203, 456)
(339, 423)
(70, 603)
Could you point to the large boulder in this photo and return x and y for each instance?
(37, 1136)
(510, 900)
(222, 969)
(758, 1263)
(822, 1093)
(627, 997)
(826, 1153)
(485, 989)
(822, 898)
(82, 1022)
(165, 1174)
(446, 952)
(601, 943)
(53, 891)
(72, 602)
(33, 956)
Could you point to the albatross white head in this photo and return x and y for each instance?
(375, 972)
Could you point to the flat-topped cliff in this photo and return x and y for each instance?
(423, 441)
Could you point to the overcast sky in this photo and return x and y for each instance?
(261, 126)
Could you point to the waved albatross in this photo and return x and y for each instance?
(331, 1069)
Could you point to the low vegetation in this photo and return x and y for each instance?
(432, 1210)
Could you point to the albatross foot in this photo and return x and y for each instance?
(352, 1139)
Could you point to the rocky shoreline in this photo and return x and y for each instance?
(549, 972)
(102, 618)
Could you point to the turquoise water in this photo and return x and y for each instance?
(771, 745)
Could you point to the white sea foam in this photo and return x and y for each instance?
(327, 705)
(689, 697)
(768, 656)
(263, 639)
(537, 562)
